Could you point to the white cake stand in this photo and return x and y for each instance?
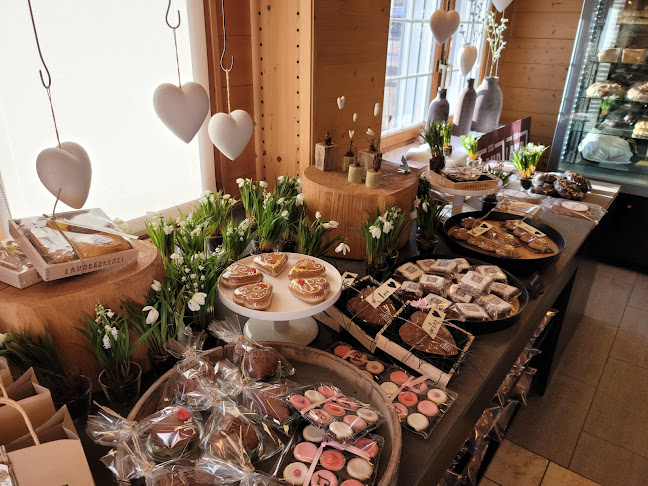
(288, 319)
(460, 195)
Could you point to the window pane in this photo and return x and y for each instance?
(395, 49)
(106, 63)
(423, 9)
(399, 9)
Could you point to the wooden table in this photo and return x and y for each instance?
(62, 304)
(348, 204)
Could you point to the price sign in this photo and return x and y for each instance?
(433, 322)
(381, 293)
(481, 229)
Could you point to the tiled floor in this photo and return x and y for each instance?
(591, 426)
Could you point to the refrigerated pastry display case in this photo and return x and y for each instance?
(602, 129)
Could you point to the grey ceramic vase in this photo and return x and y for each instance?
(439, 108)
(488, 106)
(463, 114)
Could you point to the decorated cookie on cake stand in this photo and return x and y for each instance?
(305, 286)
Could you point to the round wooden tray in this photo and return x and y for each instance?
(312, 366)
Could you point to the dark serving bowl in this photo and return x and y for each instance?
(515, 263)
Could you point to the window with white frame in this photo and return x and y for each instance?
(471, 32)
(106, 59)
(410, 64)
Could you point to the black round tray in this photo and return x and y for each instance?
(483, 327)
(517, 263)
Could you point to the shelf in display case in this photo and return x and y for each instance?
(626, 175)
(617, 132)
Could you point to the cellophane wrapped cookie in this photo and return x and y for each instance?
(238, 437)
(266, 400)
(475, 283)
(126, 460)
(341, 417)
(257, 362)
(171, 474)
(314, 459)
(195, 380)
(495, 307)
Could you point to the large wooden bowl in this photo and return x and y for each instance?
(313, 365)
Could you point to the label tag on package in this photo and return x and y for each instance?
(481, 229)
(381, 293)
(575, 206)
(433, 322)
(348, 278)
(530, 229)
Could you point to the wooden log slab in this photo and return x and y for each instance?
(336, 198)
(62, 304)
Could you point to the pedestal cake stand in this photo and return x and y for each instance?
(288, 319)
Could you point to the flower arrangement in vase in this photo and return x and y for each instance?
(433, 136)
(427, 212)
(215, 209)
(381, 233)
(236, 238)
(311, 237)
(272, 222)
(288, 189)
(526, 160)
(39, 352)
(469, 143)
(446, 128)
(109, 338)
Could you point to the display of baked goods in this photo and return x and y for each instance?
(371, 366)
(634, 56)
(310, 289)
(412, 333)
(238, 274)
(609, 55)
(235, 437)
(172, 433)
(271, 263)
(12, 257)
(570, 185)
(254, 296)
(306, 267)
(638, 92)
(605, 89)
(640, 129)
(358, 307)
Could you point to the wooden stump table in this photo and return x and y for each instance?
(62, 304)
(336, 198)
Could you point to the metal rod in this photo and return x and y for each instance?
(225, 41)
(40, 71)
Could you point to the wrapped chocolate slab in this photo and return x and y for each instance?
(15, 268)
(73, 243)
(444, 345)
(340, 417)
(197, 382)
(371, 366)
(257, 362)
(266, 400)
(238, 437)
(575, 209)
(420, 403)
(313, 459)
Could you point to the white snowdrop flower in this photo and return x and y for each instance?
(156, 285)
(197, 300)
(326, 225)
(106, 342)
(284, 214)
(387, 227)
(340, 102)
(240, 182)
(115, 333)
(280, 179)
(425, 206)
(334, 224)
(187, 270)
(168, 229)
(152, 315)
(375, 231)
(370, 132)
(299, 181)
(355, 118)
(342, 248)
(203, 200)
(281, 200)
(201, 268)
(192, 276)
(110, 313)
(318, 215)
(226, 196)
(263, 184)
(183, 279)
(3, 338)
(240, 238)
(195, 285)
(202, 278)
(299, 199)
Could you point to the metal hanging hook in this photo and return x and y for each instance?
(40, 71)
(166, 17)
(225, 42)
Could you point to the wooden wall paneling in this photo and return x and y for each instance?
(349, 59)
(241, 93)
(555, 6)
(280, 34)
(544, 25)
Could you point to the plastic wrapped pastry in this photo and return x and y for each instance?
(170, 474)
(430, 301)
(457, 294)
(494, 306)
(582, 210)
(444, 268)
(12, 257)
(410, 291)
(475, 283)
(256, 361)
(504, 291)
(469, 312)
(266, 400)
(605, 89)
(49, 243)
(493, 272)
(435, 284)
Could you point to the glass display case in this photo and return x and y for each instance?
(602, 129)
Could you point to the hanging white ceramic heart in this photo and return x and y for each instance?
(231, 133)
(67, 169)
(467, 58)
(501, 5)
(444, 24)
(182, 110)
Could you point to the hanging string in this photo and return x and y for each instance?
(175, 40)
(47, 84)
(227, 71)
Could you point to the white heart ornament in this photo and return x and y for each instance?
(231, 133)
(420, 154)
(182, 110)
(67, 169)
(444, 24)
(467, 58)
(501, 5)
